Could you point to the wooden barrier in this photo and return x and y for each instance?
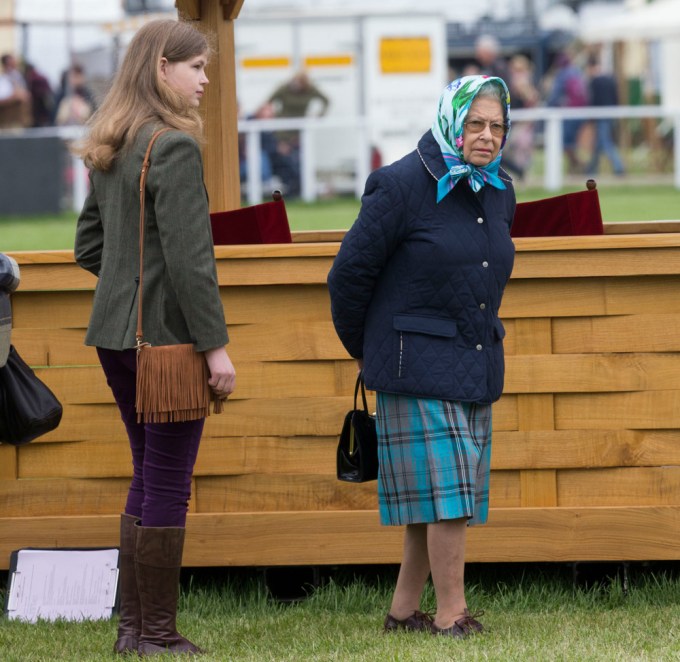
(586, 454)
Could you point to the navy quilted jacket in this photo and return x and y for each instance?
(416, 286)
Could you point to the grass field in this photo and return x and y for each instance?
(619, 203)
(532, 613)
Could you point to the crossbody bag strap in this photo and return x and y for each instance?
(142, 190)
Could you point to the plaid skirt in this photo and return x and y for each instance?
(434, 460)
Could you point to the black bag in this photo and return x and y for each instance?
(357, 456)
(28, 408)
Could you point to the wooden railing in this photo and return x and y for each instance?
(586, 450)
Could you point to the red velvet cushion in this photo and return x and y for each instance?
(569, 214)
(266, 223)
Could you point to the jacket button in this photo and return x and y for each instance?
(480, 220)
(479, 348)
(485, 264)
(482, 306)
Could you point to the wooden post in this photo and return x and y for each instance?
(220, 106)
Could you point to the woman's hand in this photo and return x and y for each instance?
(222, 374)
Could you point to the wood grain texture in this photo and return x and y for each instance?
(585, 452)
(511, 535)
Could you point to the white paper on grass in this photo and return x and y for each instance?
(73, 585)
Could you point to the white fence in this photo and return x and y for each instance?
(312, 134)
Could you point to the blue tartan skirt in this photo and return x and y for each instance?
(434, 459)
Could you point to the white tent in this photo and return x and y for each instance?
(658, 20)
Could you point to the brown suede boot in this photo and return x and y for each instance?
(159, 560)
(130, 622)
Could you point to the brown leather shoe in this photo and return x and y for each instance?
(417, 621)
(463, 627)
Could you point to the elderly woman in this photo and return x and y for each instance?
(415, 291)
(9, 281)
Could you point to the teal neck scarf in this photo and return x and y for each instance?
(447, 129)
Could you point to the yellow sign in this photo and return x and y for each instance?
(328, 60)
(265, 62)
(405, 55)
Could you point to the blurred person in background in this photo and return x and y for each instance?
(568, 90)
(489, 59)
(603, 91)
(42, 96)
(518, 151)
(15, 100)
(74, 103)
(295, 98)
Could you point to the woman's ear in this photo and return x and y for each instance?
(162, 68)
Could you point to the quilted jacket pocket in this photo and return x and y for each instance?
(431, 326)
(499, 329)
(426, 340)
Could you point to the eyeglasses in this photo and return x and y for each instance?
(477, 126)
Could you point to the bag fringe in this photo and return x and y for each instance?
(172, 385)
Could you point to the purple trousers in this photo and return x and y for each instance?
(163, 454)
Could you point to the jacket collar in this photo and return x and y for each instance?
(431, 156)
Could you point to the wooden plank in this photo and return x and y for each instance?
(567, 373)
(535, 412)
(249, 305)
(579, 448)
(67, 309)
(590, 243)
(54, 347)
(281, 492)
(309, 379)
(644, 227)
(538, 488)
(299, 340)
(189, 9)
(220, 110)
(590, 297)
(251, 539)
(231, 9)
(62, 496)
(605, 262)
(307, 236)
(533, 336)
(299, 492)
(645, 410)
(8, 462)
(280, 271)
(77, 459)
(631, 486)
(618, 333)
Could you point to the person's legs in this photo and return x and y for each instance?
(120, 369)
(413, 573)
(164, 455)
(169, 458)
(608, 146)
(446, 549)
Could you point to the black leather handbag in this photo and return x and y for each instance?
(357, 456)
(28, 408)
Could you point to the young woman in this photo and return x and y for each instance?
(160, 84)
(415, 291)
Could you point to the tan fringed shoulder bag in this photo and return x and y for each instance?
(172, 380)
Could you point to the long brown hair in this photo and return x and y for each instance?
(138, 96)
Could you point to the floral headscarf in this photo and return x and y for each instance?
(447, 129)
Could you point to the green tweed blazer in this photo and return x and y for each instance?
(181, 296)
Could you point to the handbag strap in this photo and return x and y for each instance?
(360, 382)
(142, 195)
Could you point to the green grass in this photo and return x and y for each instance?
(619, 203)
(532, 613)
